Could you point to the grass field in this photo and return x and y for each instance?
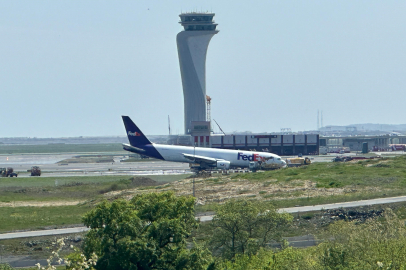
(20, 218)
(385, 173)
(60, 148)
(85, 188)
(308, 185)
(52, 181)
(69, 188)
(318, 183)
(285, 188)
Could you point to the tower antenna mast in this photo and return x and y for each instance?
(169, 125)
(219, 126)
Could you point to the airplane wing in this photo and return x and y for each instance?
(200, 159)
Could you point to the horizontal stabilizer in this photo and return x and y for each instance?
(133, 148)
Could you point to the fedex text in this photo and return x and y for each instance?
(253, 157)
(133, 133)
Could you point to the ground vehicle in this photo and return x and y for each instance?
(296, 162)
(258, 165)
(342, 158)
(35, 171)
(7, 172)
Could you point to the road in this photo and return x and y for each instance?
(343, 205)
(42, 233)
(210, 217)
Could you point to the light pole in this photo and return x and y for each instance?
(194, 155)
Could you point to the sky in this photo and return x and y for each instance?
(72, 68)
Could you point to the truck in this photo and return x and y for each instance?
(7, 172)
(342, 158)
(296, 162)
(35, 171)
(258, 165)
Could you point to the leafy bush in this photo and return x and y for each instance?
(148, 232)
(5, 267)
(244, 226)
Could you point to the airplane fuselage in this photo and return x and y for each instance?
(237, 158)
(205, 157)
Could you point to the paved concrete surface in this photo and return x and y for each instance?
(343, 205)
(42, 233)
(50, 168)
(47, 162)
(24, 261)
(329, 206)
(298, 241)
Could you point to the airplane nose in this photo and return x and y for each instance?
(283, 163)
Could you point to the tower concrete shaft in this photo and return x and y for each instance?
(192, 43)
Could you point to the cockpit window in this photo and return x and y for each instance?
(278, 159)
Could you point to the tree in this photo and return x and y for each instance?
(243, 226)
(266, 259)
(379, 243)
(5, 267)
(148, 232)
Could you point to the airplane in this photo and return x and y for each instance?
(206, 158)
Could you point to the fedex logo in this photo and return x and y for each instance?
(133, 133)
(253, 157)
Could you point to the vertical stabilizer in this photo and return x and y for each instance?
(134, 134)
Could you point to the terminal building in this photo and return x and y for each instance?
(286, 144)
(354, 143)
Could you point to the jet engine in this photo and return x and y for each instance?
(223, 164)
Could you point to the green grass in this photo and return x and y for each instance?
(386, 173)
(50, 181)
(336, 199)
(20, 218)
(60, 148)
(69, 188)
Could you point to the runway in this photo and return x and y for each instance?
(50, 168)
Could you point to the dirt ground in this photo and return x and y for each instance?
(39, 204)
(220, 189)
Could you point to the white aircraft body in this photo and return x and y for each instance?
(207, 158)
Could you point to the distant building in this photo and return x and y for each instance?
(192, 43)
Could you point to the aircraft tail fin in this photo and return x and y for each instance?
(134, 134)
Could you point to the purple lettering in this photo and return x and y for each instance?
(240, 155)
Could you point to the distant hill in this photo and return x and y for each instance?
(77, 140)
(381, 127)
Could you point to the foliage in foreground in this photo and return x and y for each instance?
(243, 227)
(148, 232)
(286, 259)
(376, 244)
(4, 266)
(379, 243)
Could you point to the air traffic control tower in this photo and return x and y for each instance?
(199, 28)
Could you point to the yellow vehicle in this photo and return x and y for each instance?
(296, 162)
